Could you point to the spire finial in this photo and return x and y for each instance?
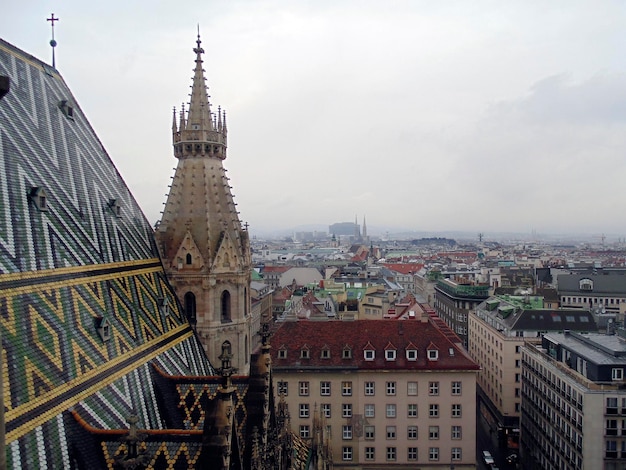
(198, 50)
(53, 42)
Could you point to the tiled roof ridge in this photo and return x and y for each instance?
(121, 432)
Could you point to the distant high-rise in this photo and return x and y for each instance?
(205, 250)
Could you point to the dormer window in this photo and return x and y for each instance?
(411, 354)
(103, 327)
(325, 353)
(585, 284)
(39, 197)
(390, 352)
(369, 354)
(346, 353)
(67, 109)
(164, 306)
(115, 207)
(433, 354)
(451, 351)
(305, 353)
(282, 353)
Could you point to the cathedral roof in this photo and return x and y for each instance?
(85, 307)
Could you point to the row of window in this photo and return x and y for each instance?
(391, 453)
(390, 410)
(304, 388)
(369, 432)
(368, 354)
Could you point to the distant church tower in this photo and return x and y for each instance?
(204, 248)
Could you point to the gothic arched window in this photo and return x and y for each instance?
(190, 307)
(188, 258)
(226, 306)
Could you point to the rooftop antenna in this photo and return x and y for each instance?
(53, 43)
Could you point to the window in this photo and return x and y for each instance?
(411, 432)
(369, 355)
(346, 453)
(283, 388)
(346, 389)
(433, 388)
(303, 389)
(304, 353)
(346, 432)
(433, 354)
(370, 453)
(618, 374)
(369, 410)
(391, 453)
(456, 388)
(325, 389)
(326, 410)
(304, 410)
(369, 388)
(411, 453)
(456, 453)
(346, 353)
(370, 432)
(433, 453)
(433, 410)
(433, 432)
(456, 410)
(390, 354)
(282, 354)
(411, 388)
(391, 432)
(391, 388)
(347, 410)
(391, 411)
(325, 353)
(411, 355)
(456, 432)
(304, 431)
(412, 410)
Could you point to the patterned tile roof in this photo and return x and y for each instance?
(85, 307)
(292, 337)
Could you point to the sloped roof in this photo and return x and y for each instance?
(357, 335)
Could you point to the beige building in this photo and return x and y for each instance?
(204, 248)
(498, 329)
(398, 393)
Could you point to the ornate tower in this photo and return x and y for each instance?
(204, 248)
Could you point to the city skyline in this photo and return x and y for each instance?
(433, 117)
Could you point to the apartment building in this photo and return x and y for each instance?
(574, 402)
(454, 301)
(498, 330)
(389, 392)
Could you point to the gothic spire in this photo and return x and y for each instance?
(199, 106)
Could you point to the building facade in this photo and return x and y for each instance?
(398, 393)
(454, 302)
(205, 249)
(498, 330)
(574, 402)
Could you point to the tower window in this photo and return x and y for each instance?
(67, 109)
(190, 307)
(188, 258)
(225, 316)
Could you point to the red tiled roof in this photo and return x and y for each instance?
(275, 269)
(404, 268)
(366, 334)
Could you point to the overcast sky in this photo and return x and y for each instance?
(486, 116)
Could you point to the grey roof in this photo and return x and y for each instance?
(614, 284)
(595, 347)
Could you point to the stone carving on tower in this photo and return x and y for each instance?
(205, 249)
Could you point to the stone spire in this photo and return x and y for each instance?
(205, 249)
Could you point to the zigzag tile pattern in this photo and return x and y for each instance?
(85, 307)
